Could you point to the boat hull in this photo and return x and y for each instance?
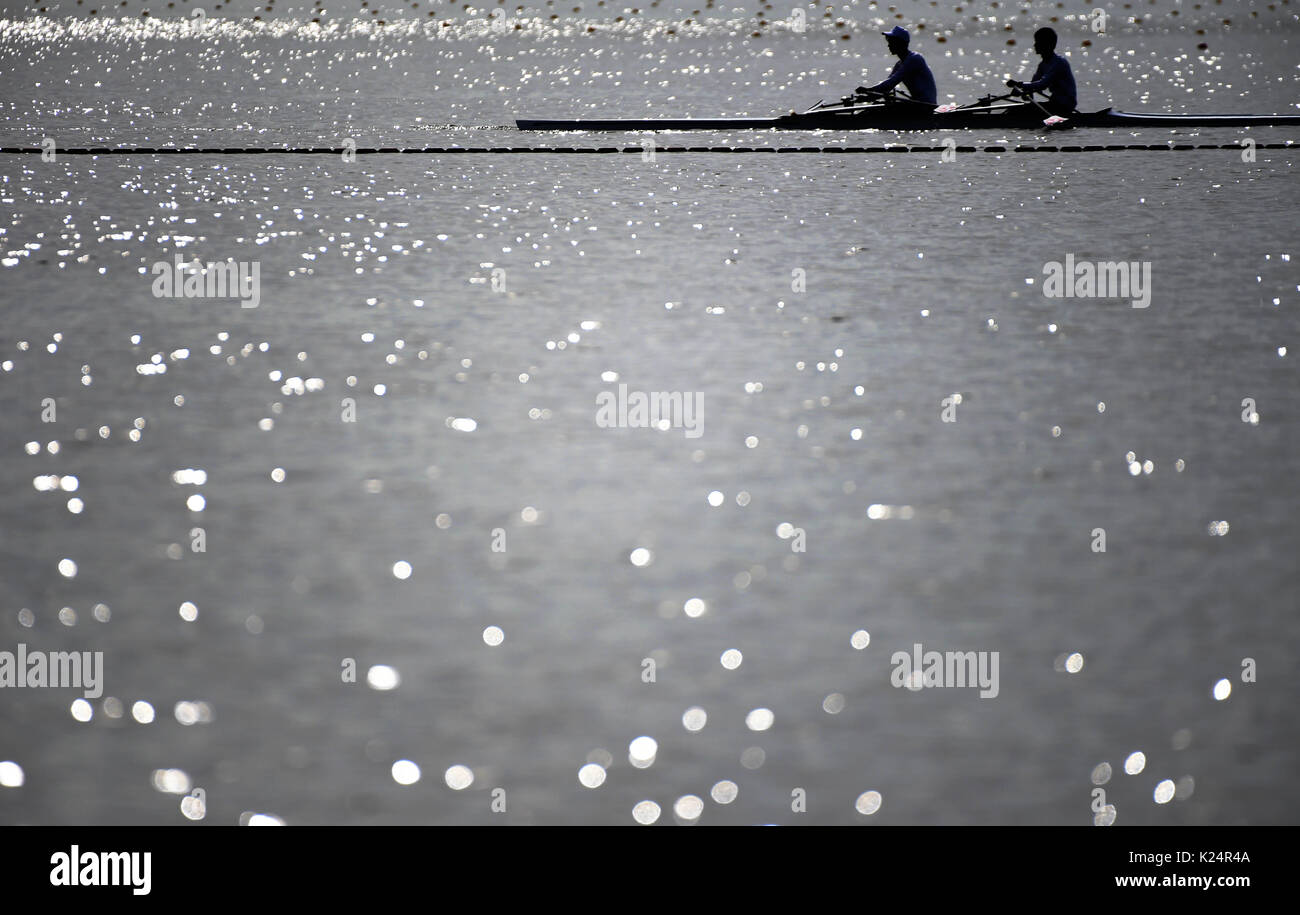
(874, 118)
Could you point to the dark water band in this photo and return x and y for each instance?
(461, 150)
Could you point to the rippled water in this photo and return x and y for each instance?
(436, 81)
(467, 312)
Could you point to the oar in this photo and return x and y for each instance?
(851, 101)
(847, 100)
(824, 105)
(978, 103)
(890, 98)
(1053, 121)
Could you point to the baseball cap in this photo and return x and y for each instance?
(898, 32)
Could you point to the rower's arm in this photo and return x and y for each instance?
(895, 77)
(1043, 80)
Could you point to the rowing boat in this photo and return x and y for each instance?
(896, 116)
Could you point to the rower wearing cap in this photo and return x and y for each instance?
(1053, 75)
(911, 70)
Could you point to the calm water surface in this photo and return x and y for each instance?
(468, 310)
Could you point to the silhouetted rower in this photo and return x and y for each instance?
(1053, 76)
(911, 70)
